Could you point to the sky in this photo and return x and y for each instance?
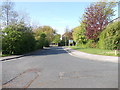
(58, 15)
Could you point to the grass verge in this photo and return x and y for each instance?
(96, 51)
(4, 55)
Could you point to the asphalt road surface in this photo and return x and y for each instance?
(54, 68)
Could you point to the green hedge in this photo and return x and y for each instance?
(89, 44)
(110, 37)
(17, 39)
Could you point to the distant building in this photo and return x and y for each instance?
(67, 35)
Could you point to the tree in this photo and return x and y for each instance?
(65, 36)
(79, 34)
(8, 14)
(57, 38)
(17, 39)
(0, 17)
(96, 17)
(46, 31)
(49, 31)
(0, 41)
(41, 41)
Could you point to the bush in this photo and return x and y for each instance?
(89, 44)
(47, 43)
(17, 39)
(39, 45)
(62, 43)
(110, 37)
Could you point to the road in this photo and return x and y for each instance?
(54, 68)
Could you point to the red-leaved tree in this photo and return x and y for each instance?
(96, 18)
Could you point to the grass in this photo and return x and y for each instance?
(95, 51)
(4, 55)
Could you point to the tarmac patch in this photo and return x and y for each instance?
(76, 75)
(23, 80)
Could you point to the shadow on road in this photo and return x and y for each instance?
(49, 51)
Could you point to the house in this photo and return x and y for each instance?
(114, 20)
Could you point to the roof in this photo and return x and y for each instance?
(116, 19)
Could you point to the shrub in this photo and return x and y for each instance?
(110, 37)
(62, 43)
(47, 43)
(17, 39)
(90, 44)
(38, 44)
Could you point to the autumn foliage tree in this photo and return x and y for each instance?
(96, 17)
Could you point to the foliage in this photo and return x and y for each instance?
(48, 31)
(96, 18)
(47, 43)
(79, 35)
(41, 41)
(110, 37)
(56, 38)
(0, 41)
(90, 44)
(17, 39)
(62, 43)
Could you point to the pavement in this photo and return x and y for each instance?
(53, 67)
(10, 57)
(91, 56)
(16, 56)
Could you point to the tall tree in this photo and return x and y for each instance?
(97, 16)
(8, 13)
(49, 31)
(79, 34)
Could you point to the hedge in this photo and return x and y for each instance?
(110, 37)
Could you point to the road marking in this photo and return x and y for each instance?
(61, 74)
